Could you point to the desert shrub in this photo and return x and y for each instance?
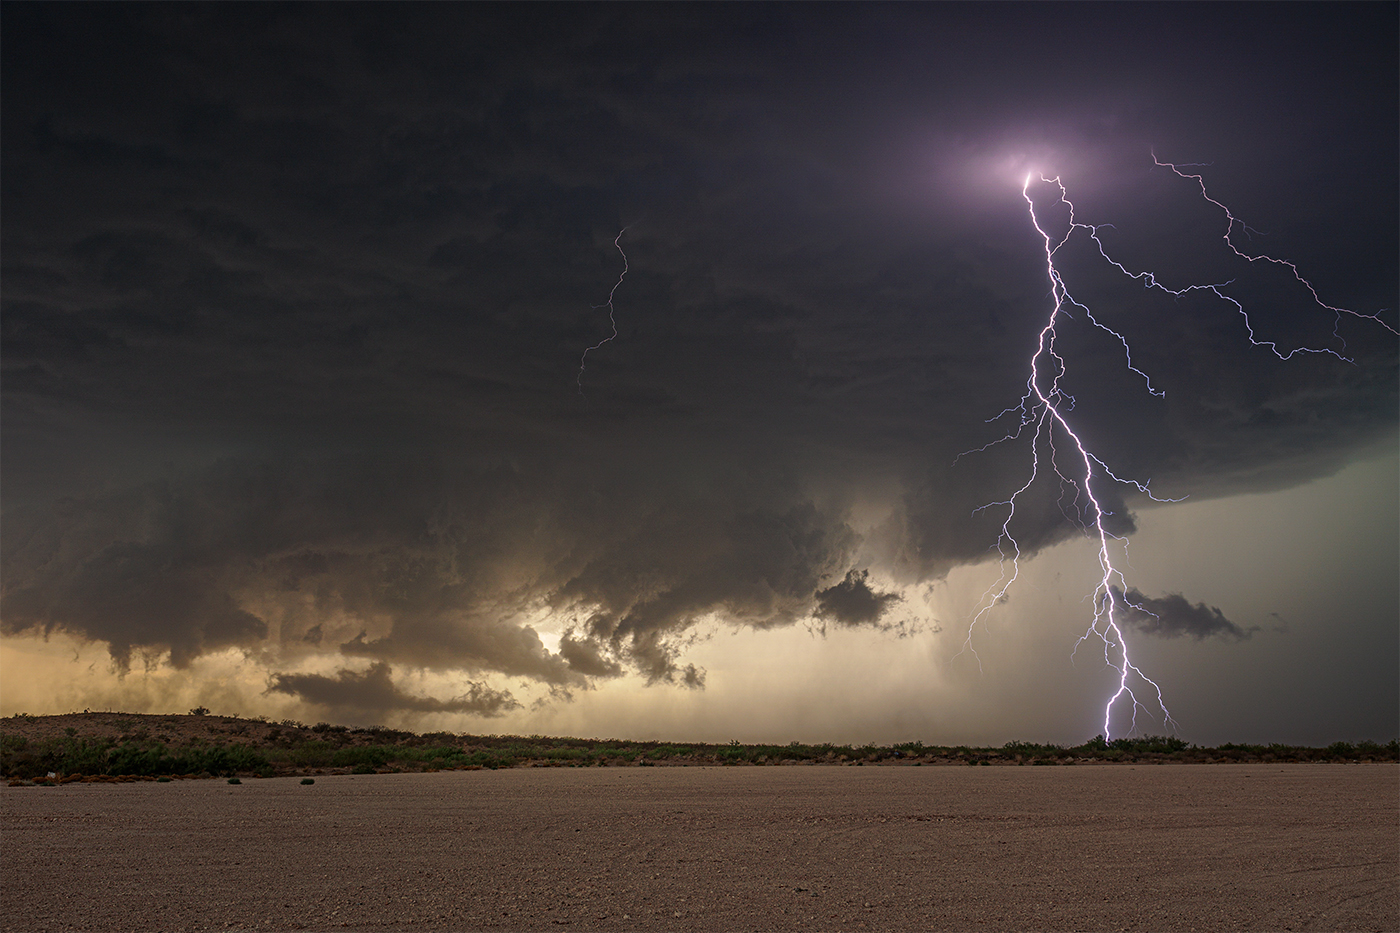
(565, 754)
(485, 759)
(384, 732)
(312, 754)
(324, 727)
(354, 755)
(836, 751)
(763, 753)
(1033, 749)
(132, 758)
(22, 758)
(308, 780)
(444, 755)
(1149, 744)
(614, 754)
(84, 755)
(661, 751)
(228, 758)
(1371, 750)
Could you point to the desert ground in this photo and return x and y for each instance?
(1090, 847)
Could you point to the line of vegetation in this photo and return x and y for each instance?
(21, 758)
(258, 747)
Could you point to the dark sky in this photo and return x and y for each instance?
(295, 300)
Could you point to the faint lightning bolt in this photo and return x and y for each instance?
(583, 360)
(1043, 411)
(1231, 222)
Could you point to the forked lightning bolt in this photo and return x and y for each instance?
(1231, 223)
(583, 360)
(1043, 415)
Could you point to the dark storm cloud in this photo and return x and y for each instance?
(852, 602)
(374, 690)
(755, 565)
(443, 564)
(1173, 616)
(316, 547)
(585, 657)
(90, 569)
(295, 299)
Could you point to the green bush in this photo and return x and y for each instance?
(489, 760)
(1033, 750)
(444, 756)
(312, 754)
(1149, 744)
(132, 758)
(357, 755)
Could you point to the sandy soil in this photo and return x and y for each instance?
(1203, 847)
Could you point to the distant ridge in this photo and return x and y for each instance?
(110, 745)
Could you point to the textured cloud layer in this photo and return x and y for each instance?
(1173, 616)
(295, 300)
(374, 690)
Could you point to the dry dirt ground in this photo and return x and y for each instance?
(1184, 847)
